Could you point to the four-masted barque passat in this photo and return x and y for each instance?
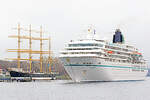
(92, 59)
(18, 72)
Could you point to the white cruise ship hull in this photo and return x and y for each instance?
(96, 69)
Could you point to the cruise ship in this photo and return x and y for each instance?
(92, 59)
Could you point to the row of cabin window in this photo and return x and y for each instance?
(78, 45)
(138, 62)
(88, 63)
(83, 49)
(117, 56)
(115, 52)
(123, 53)
(117, 48)
(122, 57)
(127, 54)
(114, 60)
(124, 61)
(83, 53)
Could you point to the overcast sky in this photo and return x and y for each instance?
(64, 20)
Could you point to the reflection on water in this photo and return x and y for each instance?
(67, 90)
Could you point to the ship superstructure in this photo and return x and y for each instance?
(91, 59)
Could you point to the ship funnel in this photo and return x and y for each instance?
(118, 37)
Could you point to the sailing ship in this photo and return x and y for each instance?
(18, 72)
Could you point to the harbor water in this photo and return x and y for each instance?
(67, 90)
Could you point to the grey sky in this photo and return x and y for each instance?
(64, 19)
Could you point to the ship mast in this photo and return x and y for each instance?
(18, 45)
(50, 58)
(30, 51)
(41, 57)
